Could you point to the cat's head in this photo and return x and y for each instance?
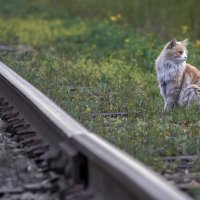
(176, 51)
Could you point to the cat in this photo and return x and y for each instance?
(179, 82)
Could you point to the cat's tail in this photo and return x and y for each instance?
(190, 94)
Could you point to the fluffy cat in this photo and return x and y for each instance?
(179, 82)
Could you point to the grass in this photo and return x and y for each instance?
(111, 68)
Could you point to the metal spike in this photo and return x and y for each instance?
(14, 121)
(17, 128)
(31, 141)
(6, 117)
(6, 109)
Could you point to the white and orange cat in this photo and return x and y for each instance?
(179, 82)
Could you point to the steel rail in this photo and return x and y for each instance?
(106, 171)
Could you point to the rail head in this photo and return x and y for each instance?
(111, 173)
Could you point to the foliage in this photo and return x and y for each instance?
(92, 66)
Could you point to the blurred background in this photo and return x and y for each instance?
(166, 19)
(98, 56)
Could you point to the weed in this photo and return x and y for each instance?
(91, 66)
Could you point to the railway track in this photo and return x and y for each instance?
(79, 164)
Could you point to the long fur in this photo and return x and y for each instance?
(178, 81)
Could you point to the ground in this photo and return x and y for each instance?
(92, 66)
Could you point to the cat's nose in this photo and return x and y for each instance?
(185, 57)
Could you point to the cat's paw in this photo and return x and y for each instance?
(167, 108)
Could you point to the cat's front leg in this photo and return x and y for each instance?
(171, 95)
(169, 104)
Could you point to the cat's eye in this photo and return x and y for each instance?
(181, 52)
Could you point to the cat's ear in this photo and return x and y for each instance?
(172, 43)
(185, 42)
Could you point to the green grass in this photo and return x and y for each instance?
(111, 66)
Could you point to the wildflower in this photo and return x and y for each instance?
(115, 18)
(88, 109)
(126, 40)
